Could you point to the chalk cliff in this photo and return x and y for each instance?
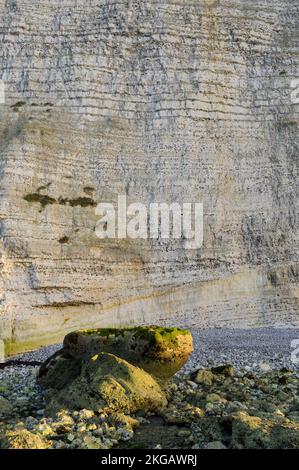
(164, 100)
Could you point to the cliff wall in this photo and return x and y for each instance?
(167, 100)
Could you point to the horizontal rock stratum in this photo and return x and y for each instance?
(167, 101)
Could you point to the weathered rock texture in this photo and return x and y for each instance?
(159, 351)
(162, 100)
(23, 439)
(109, 382)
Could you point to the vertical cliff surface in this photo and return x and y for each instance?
(167, 100)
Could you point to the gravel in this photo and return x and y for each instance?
(39, 355)
(254, 349)
(18, 385)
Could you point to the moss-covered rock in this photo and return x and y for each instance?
(159, 351)
(59, 370)
(111, 383)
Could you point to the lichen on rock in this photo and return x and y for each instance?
(159, 351)
(109, 382)
(117, 369)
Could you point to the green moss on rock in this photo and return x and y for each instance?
(158, 350)
(82, 201)
(43, 199)
(159, 335)
(111, 383)
(18, 105)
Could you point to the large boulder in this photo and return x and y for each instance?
(159, 351)
(23, 439)
(111, 383)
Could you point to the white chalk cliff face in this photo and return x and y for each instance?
(173, 101)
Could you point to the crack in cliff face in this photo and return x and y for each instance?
(284, 275)
(67, 303)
